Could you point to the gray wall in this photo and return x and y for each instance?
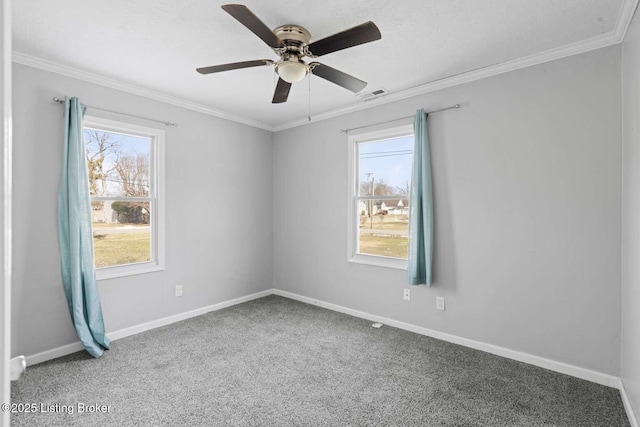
(528, 213)
(630, 365)
(218, 213)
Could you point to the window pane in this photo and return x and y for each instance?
(118, 163)
(385, 166)
(121, 232)
(386, 231)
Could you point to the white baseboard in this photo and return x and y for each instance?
(633, 420)
(54, 353)
(552, 365)
(116, 335)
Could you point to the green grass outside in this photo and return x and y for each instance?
(99, 225)
(384, 222)
(118, 249)
(388, 225)
(391, 246)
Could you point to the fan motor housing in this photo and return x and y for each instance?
(293, 34)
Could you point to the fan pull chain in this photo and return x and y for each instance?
(309, 116)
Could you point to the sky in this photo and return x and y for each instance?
(389, 160)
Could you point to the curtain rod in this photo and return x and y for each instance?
(175, 125)
(400, 118)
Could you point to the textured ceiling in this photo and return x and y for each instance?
(157, 44)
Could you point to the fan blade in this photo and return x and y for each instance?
(253, 23)
(282, 92)
(363, 33)
(337, 77)
(233, 66)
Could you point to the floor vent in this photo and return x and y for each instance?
(373, 94)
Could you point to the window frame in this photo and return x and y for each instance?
(156, 197)
(353, 198)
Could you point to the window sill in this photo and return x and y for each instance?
(379, 261)
(107, 273)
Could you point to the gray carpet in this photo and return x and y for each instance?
(278, 362)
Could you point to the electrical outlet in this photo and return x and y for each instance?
(178, 290)
(407, 294)
(440, 303)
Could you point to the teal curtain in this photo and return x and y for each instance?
(76, 240)
(421, 207)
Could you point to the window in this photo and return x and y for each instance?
(125, 165)
(380, 175)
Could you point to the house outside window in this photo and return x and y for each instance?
(379, 182)
(125, 164)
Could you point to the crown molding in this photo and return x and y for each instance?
(54, 67)
(627, 10)
(616, 36)
(613, 37)
(466, 77)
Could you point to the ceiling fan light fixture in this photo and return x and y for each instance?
(292, 71)
(292, 43)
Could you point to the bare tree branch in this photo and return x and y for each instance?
(99, 145)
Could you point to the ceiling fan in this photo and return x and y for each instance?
(291, 43)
